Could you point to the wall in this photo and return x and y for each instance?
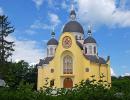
(79, 65)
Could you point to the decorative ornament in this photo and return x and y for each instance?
(66, 42)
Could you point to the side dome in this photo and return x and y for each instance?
(52, 41)
(89, 40)
(73, 26)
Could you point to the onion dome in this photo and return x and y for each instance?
(73, 26)
(89, 40)
(52, 41)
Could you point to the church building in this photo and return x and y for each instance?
(72, 59)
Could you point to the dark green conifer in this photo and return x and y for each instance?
(6, 47)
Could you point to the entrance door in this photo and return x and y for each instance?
(68, 83)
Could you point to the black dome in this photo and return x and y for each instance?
(89, 40)
(73, 26)
(52, 41)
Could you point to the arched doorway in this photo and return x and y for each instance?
(68, 83)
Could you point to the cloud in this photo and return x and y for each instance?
(50, 2)
(126, 74)
(39, 25)
(26, 50)
(112, 72)
(64, 5)
(29, 31)
(56, 5)
(103, 12)
(38, 3)
(124, 67)
(1, 11)
(122, 4)
(54, 19)
(127, 51)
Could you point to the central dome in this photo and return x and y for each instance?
(73, 26)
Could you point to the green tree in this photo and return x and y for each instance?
(31, 76)
(20, 71)
(16, 72)
(121, 84)
(6, 47)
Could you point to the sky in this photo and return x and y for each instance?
(34, 20)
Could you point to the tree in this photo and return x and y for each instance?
(31, 76)
(20, 71)
(6, 47)
(16, 72)
(121, 84)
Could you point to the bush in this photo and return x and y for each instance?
(86, 90)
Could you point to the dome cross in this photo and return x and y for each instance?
(72, 13)
(90, 30)
(53, 33)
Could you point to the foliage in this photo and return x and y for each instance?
(14, 73)
(21, 78)
(6, 47)
(86, 90)
(121, 84)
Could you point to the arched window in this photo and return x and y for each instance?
(67, 65)
(94, 49)
(76, 37)
(51, 51)
(47, 51)
(90, 49)
(87, 70)
(85, 50)
(52, 70)
(52, 83)
(79, 37)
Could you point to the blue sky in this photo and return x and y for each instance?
(34, 21)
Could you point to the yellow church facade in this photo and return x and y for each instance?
(72, 59)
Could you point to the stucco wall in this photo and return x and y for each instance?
(79, 65)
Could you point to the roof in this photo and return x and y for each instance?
(80, 45)
(52, 41)
(89, 40)
(73, 26)
(95, 59)
(92, 58)
(45, 61)
(102, 60)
